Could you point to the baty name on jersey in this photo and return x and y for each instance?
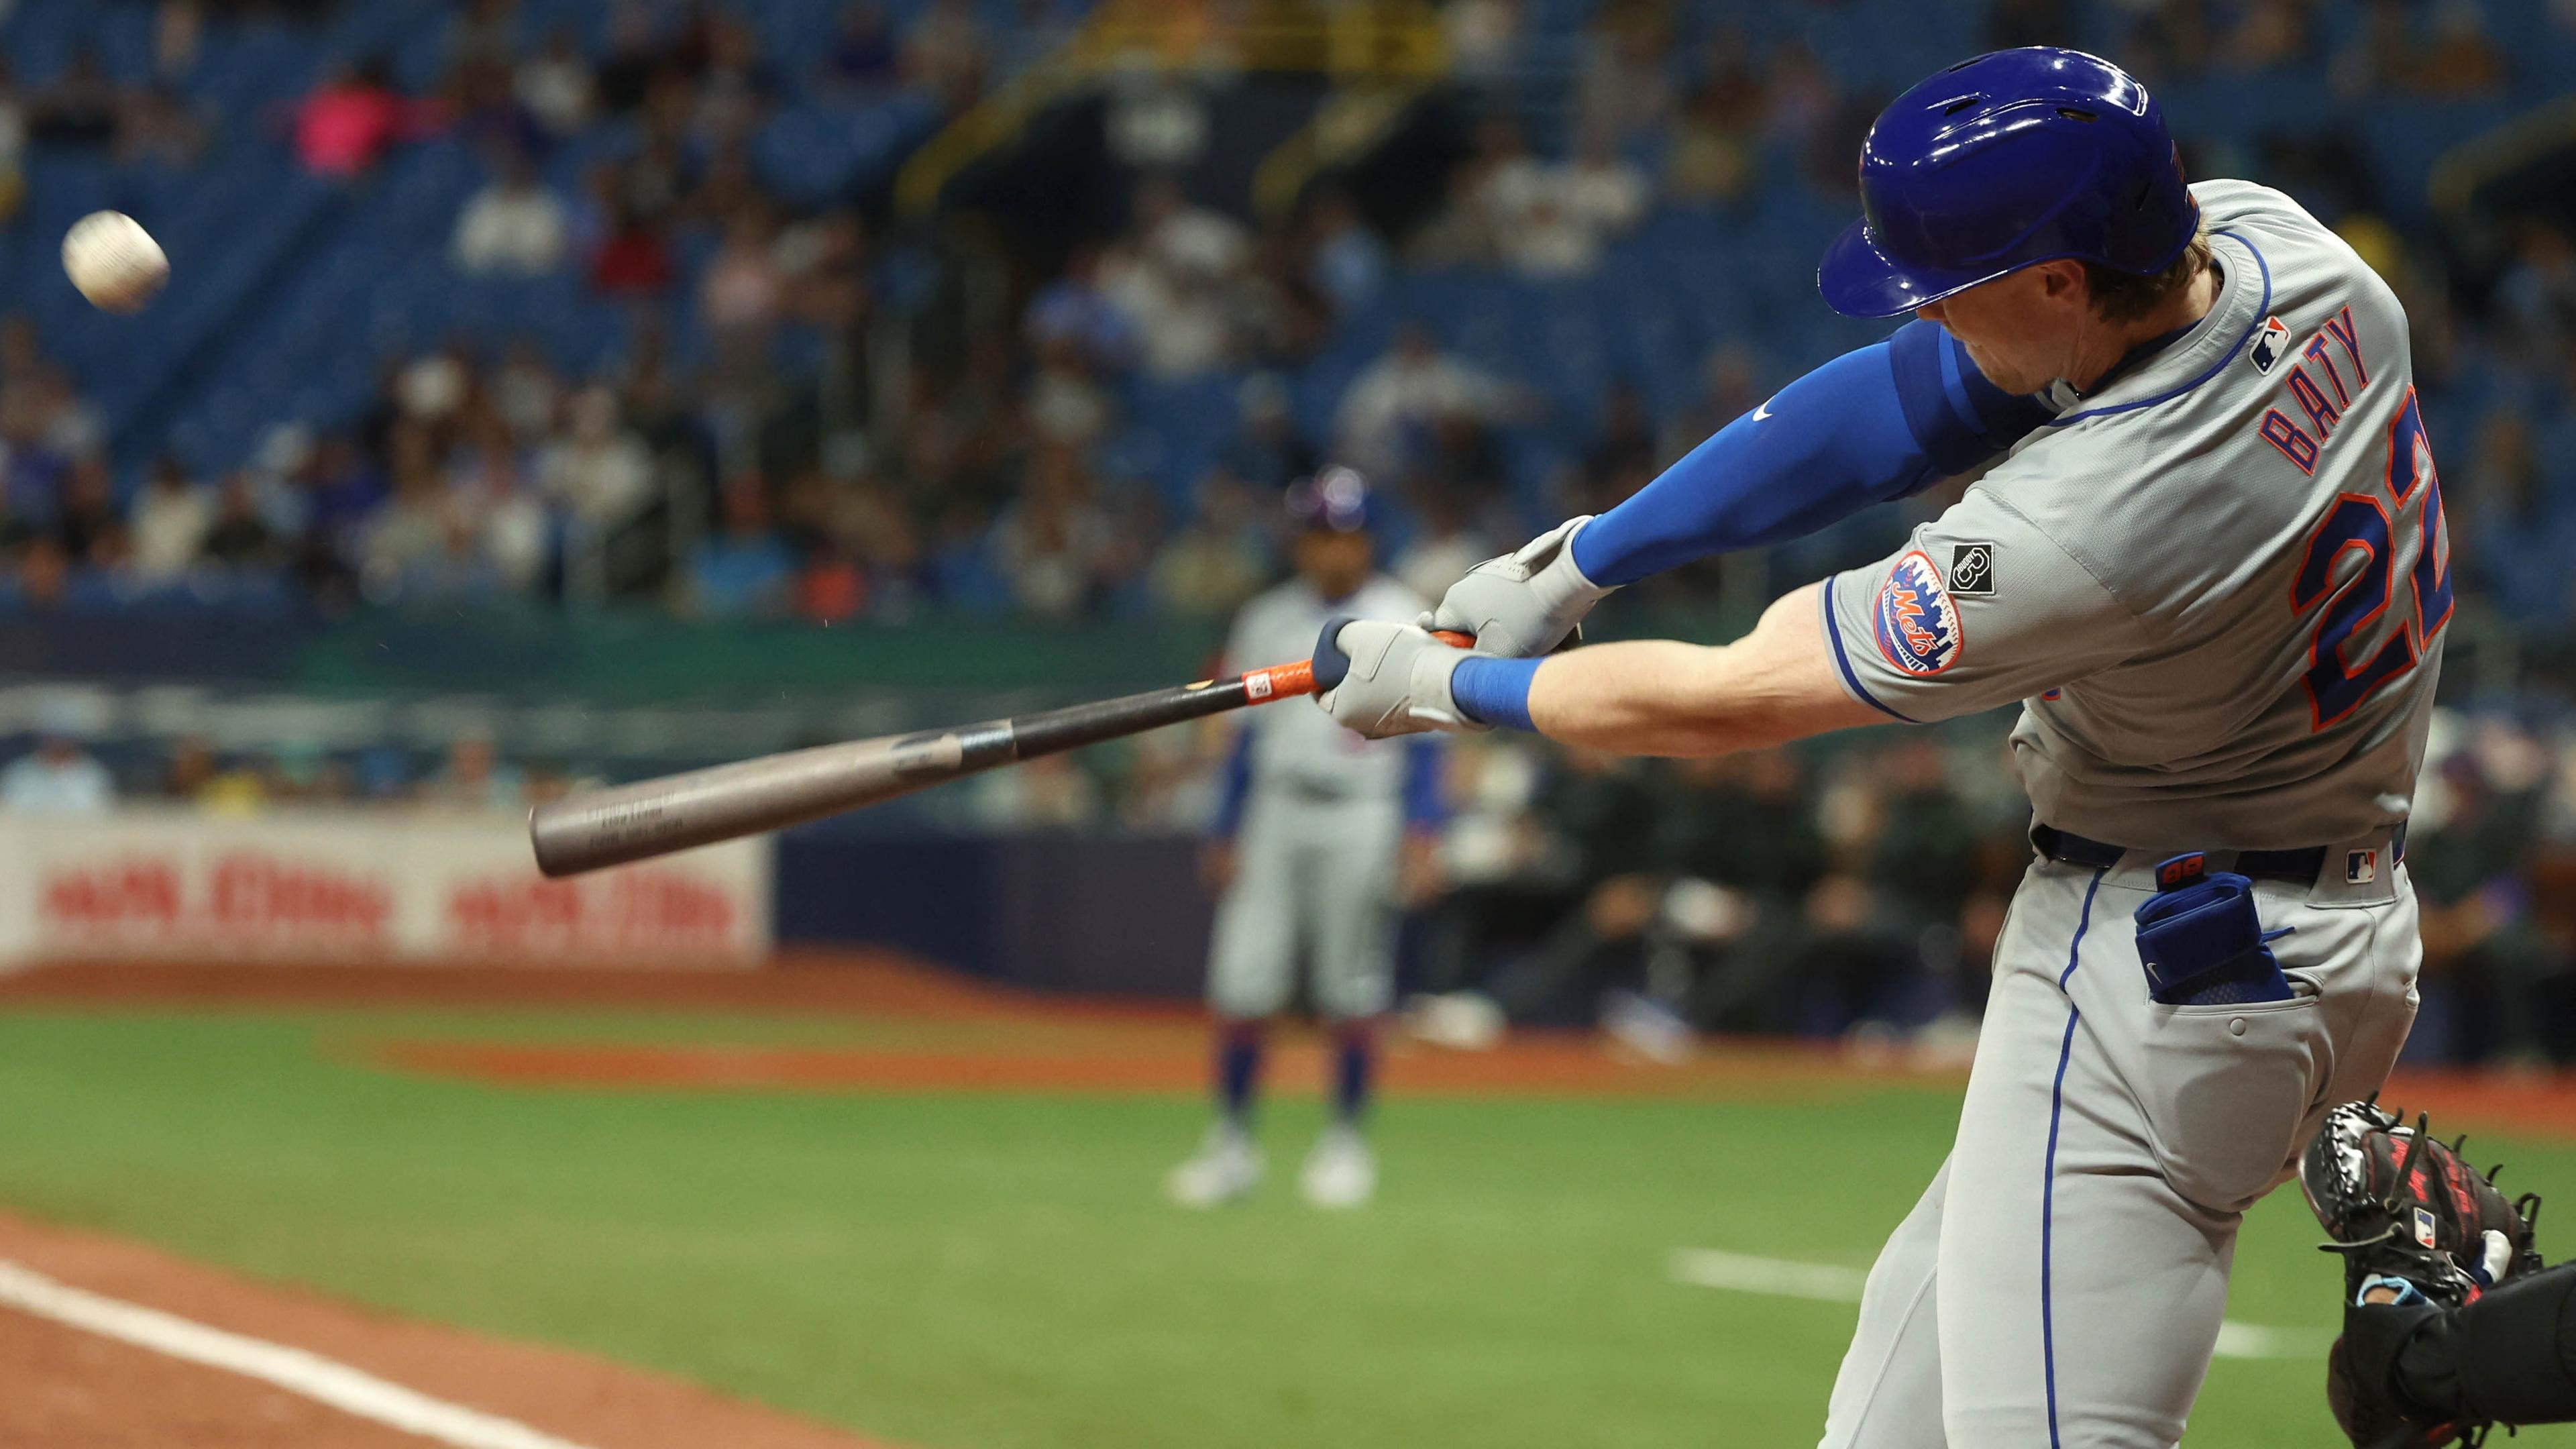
(2320, 389)
(1918, 621)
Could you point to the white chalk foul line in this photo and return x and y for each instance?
(317, 1378)
(1827, 1283)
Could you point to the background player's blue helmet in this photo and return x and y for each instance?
(2002, 162)
(1335, 500)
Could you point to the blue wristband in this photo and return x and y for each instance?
(1494, 691)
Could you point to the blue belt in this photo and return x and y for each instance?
(2300, 867)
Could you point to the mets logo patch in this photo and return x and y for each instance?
(2271, 341)
(1917, 620)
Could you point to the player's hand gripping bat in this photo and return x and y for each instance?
(675, 812)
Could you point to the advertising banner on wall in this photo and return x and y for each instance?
(396, 885)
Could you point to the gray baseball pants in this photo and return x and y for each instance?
(1313, 881)
(2060, 1284)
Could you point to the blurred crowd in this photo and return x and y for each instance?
(821, 415)
(57, 775)
(748, 453)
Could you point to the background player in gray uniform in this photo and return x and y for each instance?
(1317, 834)
(2206, 555)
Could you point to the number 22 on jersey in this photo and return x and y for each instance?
(2336, 680)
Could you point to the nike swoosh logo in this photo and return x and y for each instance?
(1763, 411)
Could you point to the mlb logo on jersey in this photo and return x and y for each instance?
(1917, 620)
(2360, 867)
(2271, 344)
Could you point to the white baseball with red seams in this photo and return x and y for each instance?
(114, 261)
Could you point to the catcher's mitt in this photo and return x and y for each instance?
(2410, 1216)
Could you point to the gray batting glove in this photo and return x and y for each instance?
(1524, 603)
(1380, 678)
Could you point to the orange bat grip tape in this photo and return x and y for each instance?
(1286, 681)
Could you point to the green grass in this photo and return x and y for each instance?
(997, 1272)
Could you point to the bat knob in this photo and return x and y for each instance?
(1332, 666)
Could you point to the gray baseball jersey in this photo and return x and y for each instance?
(1316, 854)
(2218, 587)
(1303, 748)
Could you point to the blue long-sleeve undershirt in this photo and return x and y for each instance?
(1873, 425)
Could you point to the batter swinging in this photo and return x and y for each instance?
(2207, 557)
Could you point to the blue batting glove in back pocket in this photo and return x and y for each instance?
(2201, 941)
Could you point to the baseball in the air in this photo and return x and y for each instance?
(114, 261)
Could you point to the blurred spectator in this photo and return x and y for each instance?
(159, 128)
(1444, 548)
(1623, 455)
(2463, 61)
(1484, 40)
(410, 527)
(1550, 220)
(741, 292)
(1075, 315)
(556, 84)
(1049, 543)
(1596, 815)
(1713, 156)
(474, 778)
(863, 56)
(2270, 33)
(2395, 52)
(1221, 556)
(944, 53)
(1066, 405)
(2170, 41)
(2511, 538)
(80, 107)
(1739, 835)
(172, 518)
(634, 57)
(238, 536)
(1730, 388)
(57, 778)
(515, 226)
(2472, 880)
(87, 523)
(2537, 295)
(1624, 88)
(1267, 451)
(350, 120)
(633, 259)
(1387, 414)
(598, 471)
(745, 568)
(481, 32)
(178, 29)
(1350, 260)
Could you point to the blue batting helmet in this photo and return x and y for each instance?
(1335, 500)
(2002, 162)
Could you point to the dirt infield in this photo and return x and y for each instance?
(977, 1037)
(68, 1387)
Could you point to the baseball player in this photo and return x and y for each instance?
(2206, 556)
(1317, 835)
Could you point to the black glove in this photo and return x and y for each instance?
(2412, 1220)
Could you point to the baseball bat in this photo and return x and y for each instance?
(699, 807)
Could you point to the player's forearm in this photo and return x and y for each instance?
(1659, 697)
(1869, 426)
